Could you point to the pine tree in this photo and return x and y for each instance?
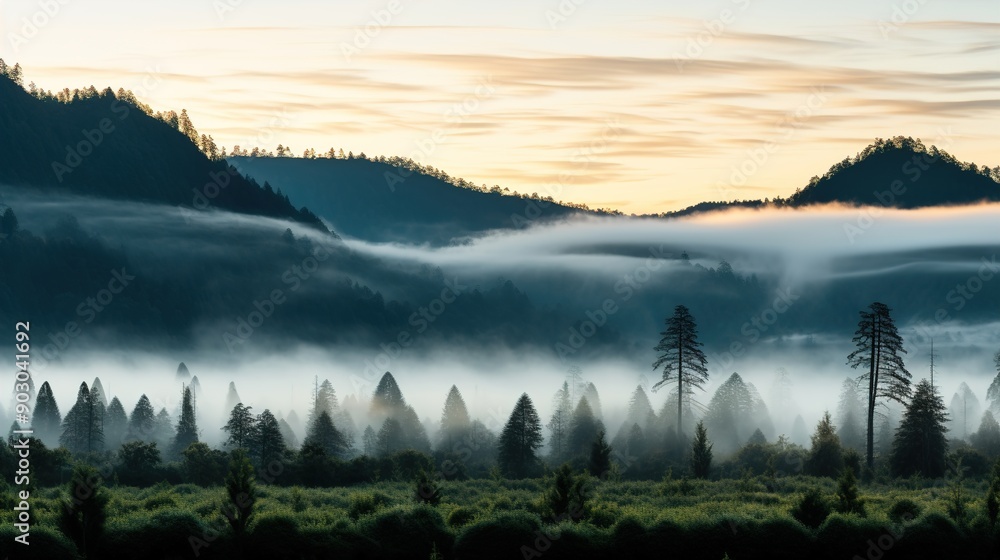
(142, 421)
(83, 427)
(242, 492)
(115, 424)
(455, 421)
(964, 411)
(850, 412)
(288, 434)
(600, 456)
(879, 349)
(182, 373)
(826, 457)
(594, 400)
(920, 445)
(986, 440)
(583, 429)
(730, 413)
(559, 424)
(993, 393)
(97, 386)
(388, 399)
(240, 427)
(369, 442)
(520, 438)
(701, 452)
(232, 396)
(187, 427)
(682, 360)
(322, 433)
(46, 420)
(163, 429)
(390, 438)
(268, 444)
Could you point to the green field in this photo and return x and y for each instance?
(478, 519)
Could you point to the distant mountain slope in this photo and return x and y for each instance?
(356, 196)
(103, 146)
(902, 173)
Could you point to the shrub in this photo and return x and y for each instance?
(461, 516)
(427, 490)
(408, 533)
(566, 497)
(904, 509)
(500, 537)
(812, 509)
(365, 503)
(848, 500)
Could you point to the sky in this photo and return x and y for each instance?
(632, 105)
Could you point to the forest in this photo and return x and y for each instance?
(892, 471)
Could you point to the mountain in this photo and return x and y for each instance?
(103, 144)
(901, 173)
(379, 200)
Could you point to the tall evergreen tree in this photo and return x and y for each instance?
(850, 412)
(187, 427)
(288, 434)
(920, 445)
(455, 421)
(268, 443)
(240, 427)
(583, 429)
(682, 360)
(163, 429)
(879, 353)
(986, 440)
(232, 397)
(324, 434)
(730, 414)
(390, 438)
(46, 420)
(993, 393)
(826, 458)
(183, 374)
(520, 438)
(142, 421)
(562, 417)
(115, 424)
(594, 400)
(369, 442)
(388, 398)
(600, 456)
(701, 452)
(83, 427)
(964, 412)
(103, 395)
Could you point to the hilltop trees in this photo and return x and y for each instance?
(920, 444)
(682, 360)
(878, 353)
(520, 438)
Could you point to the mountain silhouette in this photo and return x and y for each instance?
(108, 147)
(379, 201)
(901, 173)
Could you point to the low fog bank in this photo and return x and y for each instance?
(796, 384)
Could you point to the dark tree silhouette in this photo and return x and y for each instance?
(390, 438)
(826, 458)
(115, 424)
(600, 456)
(187, 427)
(520, 438)
(142, 422)
(268, 442)
(986, 440)
(83, 426)
(920, 445)
(323, 434)
(240, 427)
(682, 360)
(701, 452)
(583, 429)
(879, 349)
